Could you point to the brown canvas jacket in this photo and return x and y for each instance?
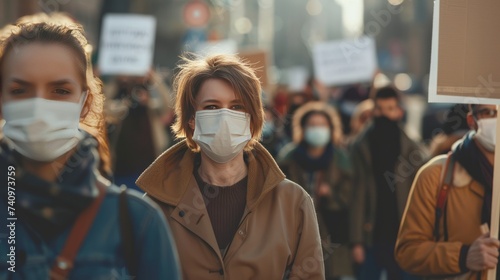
(417, 250)
(278, 236)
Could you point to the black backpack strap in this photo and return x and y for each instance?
(126, 229)
(445, 183)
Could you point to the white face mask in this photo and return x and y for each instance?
(486, 133)
(317, 136)
(222, 134)
(42, 129)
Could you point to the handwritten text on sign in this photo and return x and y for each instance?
(127, 44)
(345, 61)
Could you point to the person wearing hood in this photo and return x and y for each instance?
(232, 212)
(273, 132)
(450, 199)
(385, 161)
(317, 161)
(65, 220)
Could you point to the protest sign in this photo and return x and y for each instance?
(127, 44)
(465, 60)
(258, 59)
(345, 61)
(296, 78)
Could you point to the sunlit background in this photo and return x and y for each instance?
(285, 28)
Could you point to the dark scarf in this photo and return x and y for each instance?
(49, 207)
(385, 146)
(309, 163)
(479, 168)
(385, 149)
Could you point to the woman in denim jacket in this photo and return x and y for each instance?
(54, 142)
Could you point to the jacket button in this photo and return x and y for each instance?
(221, 271)
(182, 213)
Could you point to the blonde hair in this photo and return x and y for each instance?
(239, 75)
(61, 29)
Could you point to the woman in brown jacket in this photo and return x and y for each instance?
(232, 212)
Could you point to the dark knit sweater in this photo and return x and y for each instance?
(225, 207)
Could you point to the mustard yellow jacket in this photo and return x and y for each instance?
(278, 236)
(416, 249)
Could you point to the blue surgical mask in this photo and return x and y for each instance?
(317, 136)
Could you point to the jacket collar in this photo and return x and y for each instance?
(169, 178)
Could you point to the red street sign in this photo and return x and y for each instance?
(196, 13)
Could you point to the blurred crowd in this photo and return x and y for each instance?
(329, 140)
(347, 147)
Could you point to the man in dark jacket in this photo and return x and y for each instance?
(385, 161)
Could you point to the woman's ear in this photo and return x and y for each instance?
(86, 106)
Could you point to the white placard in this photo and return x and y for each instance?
(127, 44)
(296, 78)
(217, 47)
(345, 61)
(433, 75)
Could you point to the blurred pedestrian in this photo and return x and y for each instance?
(233, 213)
(453, 129)
(280, 100)
(352, 96)
(295, 100)
(317, 161)
(451, 197)
(360, 118)
(71, 223)
(138, 115)
(273, 132)
(385, 161)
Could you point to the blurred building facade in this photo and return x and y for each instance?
(287, 29)
(403, 32)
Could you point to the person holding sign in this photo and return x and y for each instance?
(451, 198)
(233, 213)
(66, 221)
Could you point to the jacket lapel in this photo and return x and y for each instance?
(192, 214)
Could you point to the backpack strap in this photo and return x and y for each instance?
(444, 187)
(64, 262)
(126, 229)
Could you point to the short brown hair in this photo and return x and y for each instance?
(385, 93)
(193, 72)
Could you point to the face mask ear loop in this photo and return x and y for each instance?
(82, 104)
(83, 99)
